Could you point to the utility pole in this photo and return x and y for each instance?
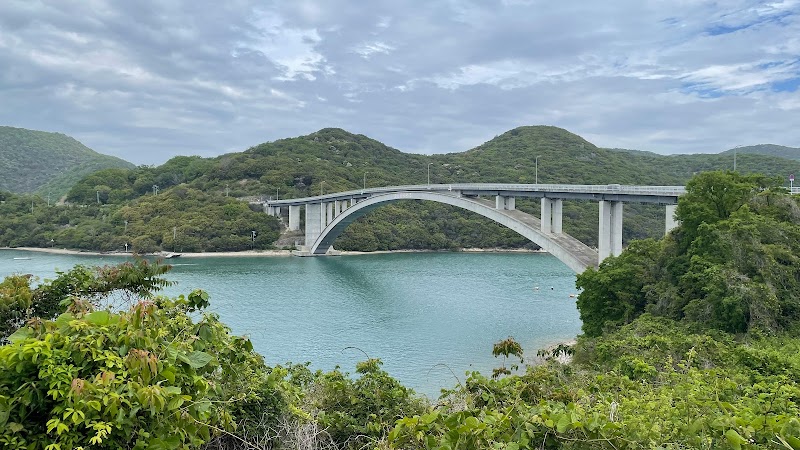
(429, 173)
(537, 170)
(174, 237)
(276, 194)
(320, 187)
(254, 239)
(735, 151)
(365, 180)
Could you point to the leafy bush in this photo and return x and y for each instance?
(148, 377)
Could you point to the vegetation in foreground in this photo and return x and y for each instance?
(690, 342)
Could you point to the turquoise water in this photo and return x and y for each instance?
(423, 314)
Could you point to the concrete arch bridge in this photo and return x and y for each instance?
(327, 216)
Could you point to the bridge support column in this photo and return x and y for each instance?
(609, 242)
(329, 213)
(547, 215)
(294, 217)
(273, 211)
(503, 202)
(313, 222)
(337, 208)
(557, 210)
(672, 223)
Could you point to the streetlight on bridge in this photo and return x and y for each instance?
(429, 172)
(320, 187)
(365, 180)
(537, 170)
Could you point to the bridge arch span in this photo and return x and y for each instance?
(575, 254)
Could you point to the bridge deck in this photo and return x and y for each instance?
(615, 192)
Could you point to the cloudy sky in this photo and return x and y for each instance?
(148, 80)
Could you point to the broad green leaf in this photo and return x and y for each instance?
(563, 423)
(172, 390)
(195, 359)
(63, 320)
(100, 318)
(734, 439)
(20, 335)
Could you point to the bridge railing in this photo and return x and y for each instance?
(672, 191)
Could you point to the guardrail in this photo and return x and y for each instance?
(667, 191)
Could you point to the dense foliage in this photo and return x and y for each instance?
(654, 384)
(36, 161)
(732, 265)
(780, 151)
(181, 220)
(21, 300)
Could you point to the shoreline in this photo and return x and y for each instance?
(259, 253)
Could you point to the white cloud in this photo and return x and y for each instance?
(367, 49)
(292, 49)
(663, 75)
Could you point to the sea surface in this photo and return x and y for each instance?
(429, 316)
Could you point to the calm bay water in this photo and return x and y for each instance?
(423, 314)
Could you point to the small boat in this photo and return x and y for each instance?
(21, 258)
(170, 255)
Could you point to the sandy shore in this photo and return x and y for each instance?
(64, 251)
(257, 253)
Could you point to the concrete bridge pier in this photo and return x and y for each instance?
(313, 222)
(294, 217)
(671, 222)
(609, 242)
(503, 202)
(273, 211)
(551, 215)
(329, 213)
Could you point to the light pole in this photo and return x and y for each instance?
(276, 194)
(320, 187)
(365, 180)
(429, 173)
(735, 151)
(537, 170)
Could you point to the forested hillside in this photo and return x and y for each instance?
(768, 149)
(48, 163)
(691, 342)
(333, 160)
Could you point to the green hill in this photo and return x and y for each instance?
(38, 161)
(333, 160)
(768, 149)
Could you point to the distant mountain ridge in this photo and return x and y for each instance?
(781, 151)
(45, 162)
